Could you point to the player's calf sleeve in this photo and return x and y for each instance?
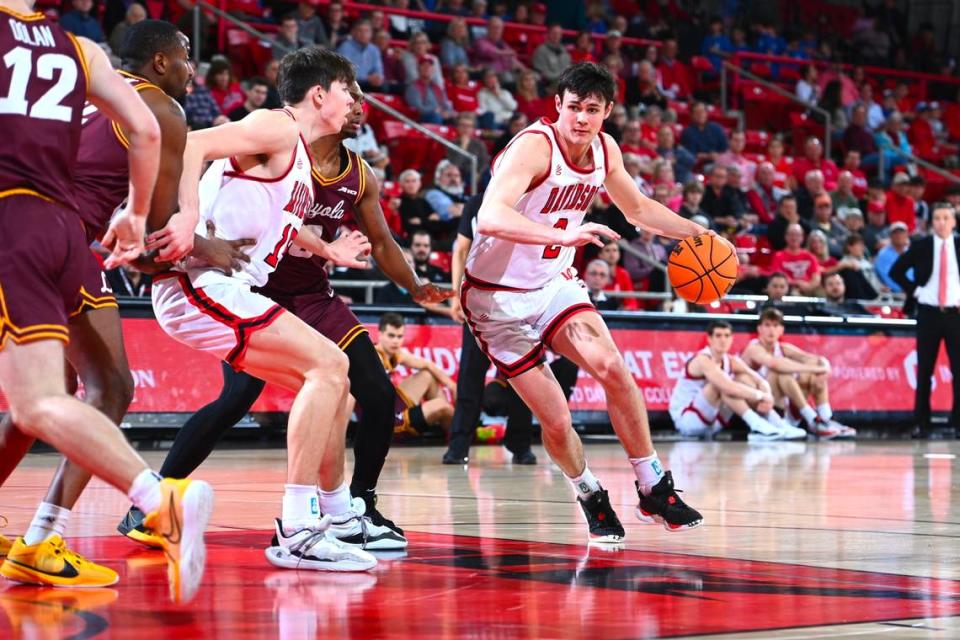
(375, 396)
(200, 434)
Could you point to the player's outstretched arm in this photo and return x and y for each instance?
(386, 252)
(525, 162)
(263, 132)
(637, 208)
(119, 102)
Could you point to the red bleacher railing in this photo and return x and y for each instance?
(359, 7)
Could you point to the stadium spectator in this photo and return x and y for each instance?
(288, 37)
(886, 257)
(619, 278)
(662, 175)
(427, 97)
(681, 159)
(874, 112)
(463, 91)
(270, 72)
(226, 92)
(818, 246)
(129, 281)
(782, 164)
(843, 195)
(551, 58)
(517, 122)
(800, 266)
(733, 157)
(454, 46)
(467, 140)
(311, 29)
(813, 159)
(851, 163)
(811, 186)
(597, 278)
(765, 194)
(675, 76)
(875, 230)
(859, 276)
(735, 181)
(201, 109)
(836, 304)
(135, 13)
(858, 138)
(394, 75)
(647, 92)
(335, 24)
(583, 49)
(807, 88)
(720, 200)
(777, 287)
(418, 48)
(617, 122)
(830, 102)
(705, 139)
(692, 198)
(365, 143)
(650, 125)
(892, 138)
(643, 275)
(528, 99)
(787, 214)
(827, 223)
(900, 206)
(80, 22)
(492, 52)
(414, 210)
(446, 195)
(922, 212)
(632, 141)
(849, 93)
(952, 196)
(421, 247)
(256, 97)
(365, 56)
(716, 44)
(496, 105)
(403, 27)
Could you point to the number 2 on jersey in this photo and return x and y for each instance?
(286, 239)
(551, 252)
(48, 107)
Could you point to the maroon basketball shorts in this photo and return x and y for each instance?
(43, 249)
(326, 313)
(95, 292)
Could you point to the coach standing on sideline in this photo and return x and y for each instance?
(935, 290)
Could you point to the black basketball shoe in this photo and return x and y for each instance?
(132, 527)
(602, 520)
(663, 505)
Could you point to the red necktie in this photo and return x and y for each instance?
(942, 292)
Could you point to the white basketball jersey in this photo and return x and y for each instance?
(688, 388)
(762, 369)
(560, 200)
(270, 212)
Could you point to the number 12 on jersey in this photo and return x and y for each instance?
(286, 239)
(551, 252)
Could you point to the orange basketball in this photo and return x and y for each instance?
(702, 268)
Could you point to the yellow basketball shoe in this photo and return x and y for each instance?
(5, 544)
(52, 564)
(180, 521)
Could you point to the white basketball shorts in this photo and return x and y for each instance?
(218, 319)
(512, 326)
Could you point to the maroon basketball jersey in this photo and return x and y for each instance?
(102, 172)
(43, 85)
(302, 272)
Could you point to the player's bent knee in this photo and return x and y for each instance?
(37, 417)
(610, 369)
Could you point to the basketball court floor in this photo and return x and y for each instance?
(815, 540)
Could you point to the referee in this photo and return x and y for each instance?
(474, 365)
(935, 290)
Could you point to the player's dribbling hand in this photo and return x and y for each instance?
(350, 250)
(588, 233)
(223, 255)
(124, 239)
(430, 293)
(175, 240)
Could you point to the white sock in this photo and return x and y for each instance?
(145, 492)
(48, 520)
(301, 507)
(825, 412)
(336, 502)
(774, 418)
(755, 422)
(809, 415)
(585, 485)
(649, 471)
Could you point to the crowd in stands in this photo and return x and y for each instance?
(826, 222)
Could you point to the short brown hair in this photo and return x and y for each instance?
(770, 314)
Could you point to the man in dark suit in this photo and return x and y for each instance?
(935, 292)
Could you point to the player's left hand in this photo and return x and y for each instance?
(124, 238)
(430, 293)
(350, 250)
(175, 240)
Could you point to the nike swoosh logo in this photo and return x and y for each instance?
(68, 570)
(173, 536)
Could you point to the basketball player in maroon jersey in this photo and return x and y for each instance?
(347, 192)
(156, 63)
(48, 76)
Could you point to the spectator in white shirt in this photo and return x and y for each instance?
(495, 99)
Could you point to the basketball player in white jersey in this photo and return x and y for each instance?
(716, 384)
(259, 186)
(794, 376)
(521, 293)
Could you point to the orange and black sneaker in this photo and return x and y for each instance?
(52, 564)
(132, 527)
(180, 522)
(39, 612)
(5, 544)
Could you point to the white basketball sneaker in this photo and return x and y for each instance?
(357, 529)
(315, 548)
(765, 432)
(843, 431)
